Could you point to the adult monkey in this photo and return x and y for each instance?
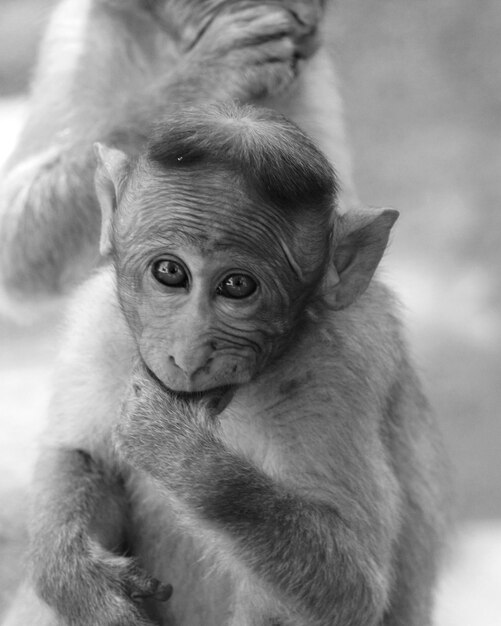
(107, 69)
(274, 458)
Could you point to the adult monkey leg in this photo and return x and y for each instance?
(107, 69)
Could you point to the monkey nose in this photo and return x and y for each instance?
(191, 363)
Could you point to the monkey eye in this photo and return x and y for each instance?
(170, 273)
(236, 286)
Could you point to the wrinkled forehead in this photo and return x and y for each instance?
(206, 208)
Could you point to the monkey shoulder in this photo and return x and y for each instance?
(93, 366)
(334, 353)
(363, 344)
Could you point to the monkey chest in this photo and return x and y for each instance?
(174, 547)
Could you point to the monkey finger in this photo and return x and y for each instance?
(163, 593)
(307, 13)
(139, 585)
(295, 61)
(250, 26)
(306, 44)
(301, 25)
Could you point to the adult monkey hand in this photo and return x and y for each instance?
(187, 20)
(246, 52)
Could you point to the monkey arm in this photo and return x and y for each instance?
(306, 551)
(79, 519)
(49, 214)
(73, 488)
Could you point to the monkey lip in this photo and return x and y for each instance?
(215, 399)
(193, 396)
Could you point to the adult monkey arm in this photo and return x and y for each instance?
(88, 90)
(304, 551)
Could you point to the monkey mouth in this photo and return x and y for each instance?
(216, 399)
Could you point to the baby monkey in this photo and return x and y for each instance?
(235, 412)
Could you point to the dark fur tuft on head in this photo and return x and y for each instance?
(275, 158)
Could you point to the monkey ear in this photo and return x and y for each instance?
(364, 236)
(110, 173)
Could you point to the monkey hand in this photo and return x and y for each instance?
(93, 586)
(160, 434)
(254, 50)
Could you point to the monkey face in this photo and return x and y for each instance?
(201, 320)
(207, 286)
(220, 235)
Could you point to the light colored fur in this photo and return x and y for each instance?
(334, 442)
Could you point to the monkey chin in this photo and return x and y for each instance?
(215, 399)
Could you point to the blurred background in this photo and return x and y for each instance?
(422, 87)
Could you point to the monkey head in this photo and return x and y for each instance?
(221, 232)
